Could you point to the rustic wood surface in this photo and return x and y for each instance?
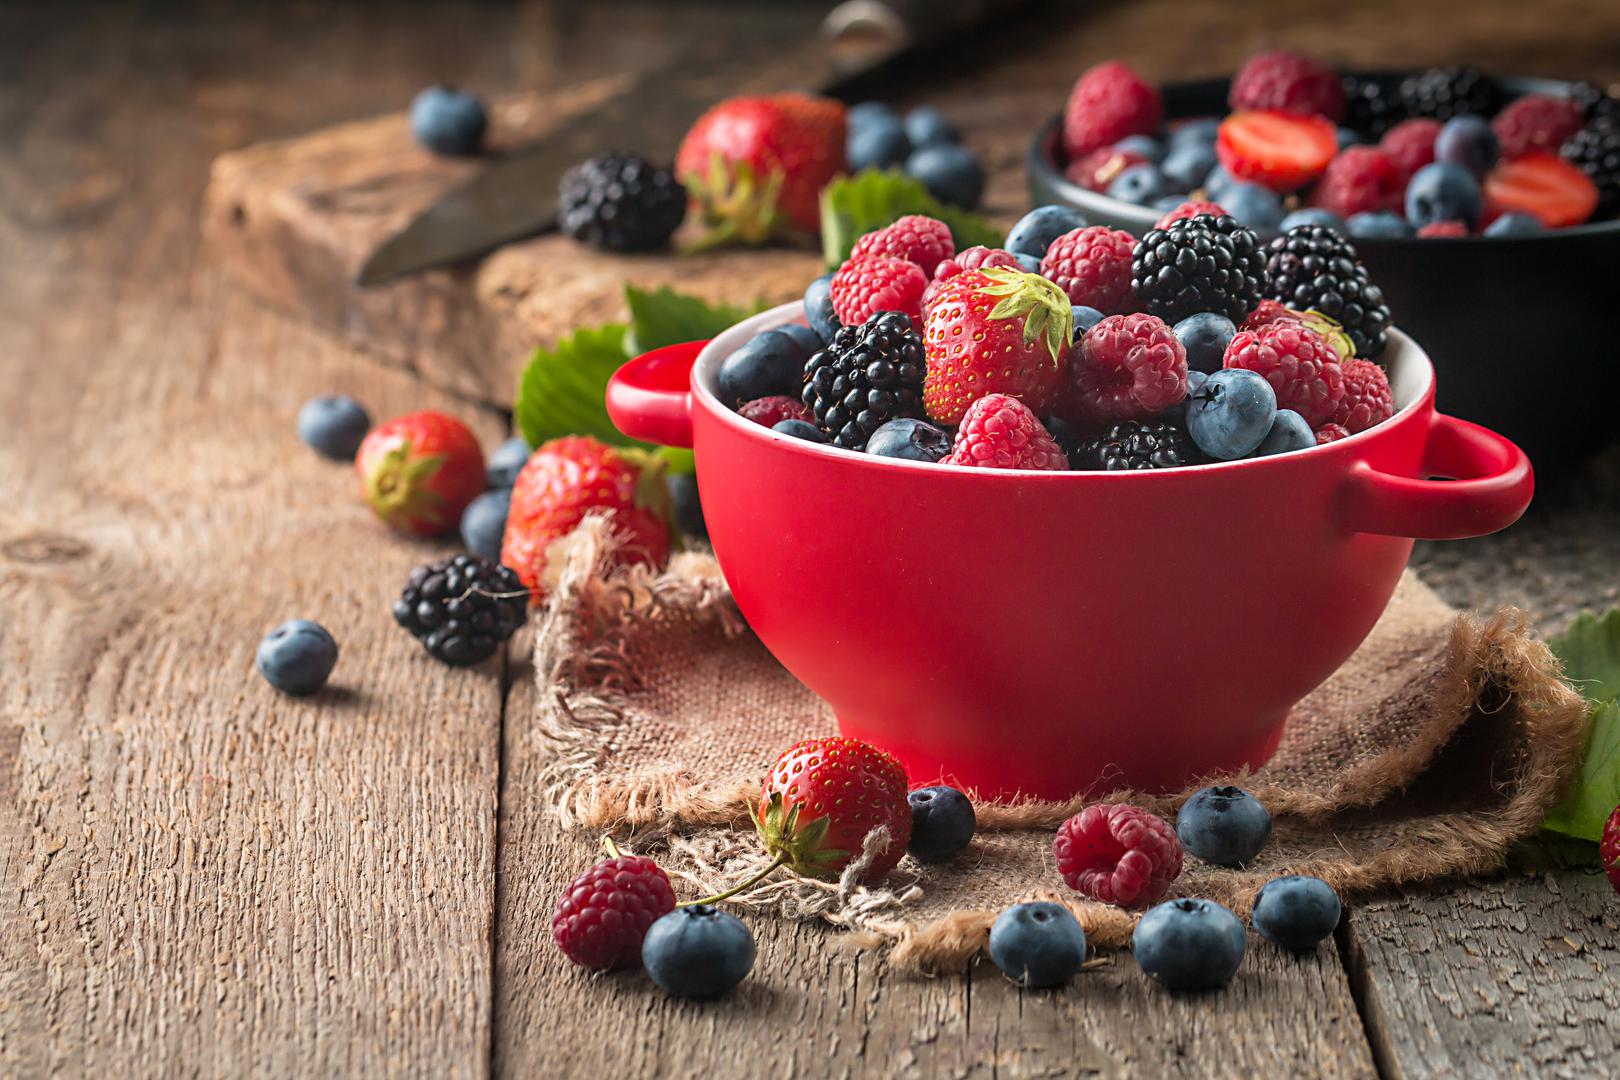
(198, 877)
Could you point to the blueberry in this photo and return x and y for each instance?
(1217, 181)
(683, 490)
(1205, 336)
(950, 174)
(1289, 432)
(800, 429)
(448, 121)
(1231, 413)
(1223, 825)
(506, 461)
(1143, 146)
(697, 952)
(1296, 912)
(1514, 225)
(1037, 229)
(768, 363)
(1378, 225)
(1063, 433)
(1188, 165)
(1037, 944)
(1469, 141)
(1030, 263)
(296, 657)
(1139, 184)
(1255, 207)
(1313, 215)
(1189, 944)
(333, 426)
(818, 308)
(942, 822)
(1346, 138)
(913, 440)
(808, 339)
(1177, 413)
(1084, 319)
(877, 144)
(1166, 203)
(483, 523)
(1196, 132)
(927, 126)
(870, 112)
(1443, 191)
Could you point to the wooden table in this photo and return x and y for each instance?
(198, 877)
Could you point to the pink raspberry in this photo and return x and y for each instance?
(1118, 854)
(1108, 103)
(1191, 208)
(914, 238)
(603, 915)
(1281, 81)
(1300, 365)
(1331, 433)
(1267, 312)
(1096, 170)
(772, 410)
(1442, 230)
(1409, 145)
(1128, 367)
(999, 432)
(863, 287)
(1367, 401)
(1358, 180)
(1092, 265)
(1536, 123)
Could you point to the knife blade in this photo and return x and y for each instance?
(803, 49)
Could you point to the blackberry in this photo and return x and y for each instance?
(1313, 268)
(620, 202)
(1594, 101)
(1136, 444)
(1442, 93)
(462, 608)
(1201, 263)
(1369, 107)
(1595, 150)
(869, 374)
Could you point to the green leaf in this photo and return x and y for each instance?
(1590, 653)
(1596, 792)
(666, 317)
(561, 391)
(853, 206)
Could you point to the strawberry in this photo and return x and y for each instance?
(567, 478)
(1541, 184)
(1609, 849)
(995, 331)
(756, 165)
(823, 796)
(1278, 150)
(419, 472)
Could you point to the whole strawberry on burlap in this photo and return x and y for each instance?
(822, 798)
(755, 166)
(995, 331)
(418, 472)
(566, 479)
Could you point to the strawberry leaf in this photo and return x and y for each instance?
(1590, 653)
(665, 317)
(852, 206)
(561, 392)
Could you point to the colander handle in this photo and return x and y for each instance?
(650, 397)
(1490, 488)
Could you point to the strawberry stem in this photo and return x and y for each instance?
(610, 847)
(781, 857)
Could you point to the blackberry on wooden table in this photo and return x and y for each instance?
(620, 202)
(869, 374)
(462, 608)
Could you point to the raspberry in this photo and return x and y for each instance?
(1609, 849)
(1191, 208)
(1097, 169)
(772, 410)
(1287, 82)
(1409, 145)
(1299, 364)
(1118, 854)
(999, 432)
(975, 258)
(1128, 367)
(1367, 397)
(1442, 229)
(1359, 179)
(603, 915)
(1108, 103)
(914, 238)
(1268, 312)
(864, 287)
(1092, 265)
(1536, 123)
(1331, 433)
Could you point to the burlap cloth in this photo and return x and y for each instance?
(1438, 744)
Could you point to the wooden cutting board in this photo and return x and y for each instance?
(294, 220)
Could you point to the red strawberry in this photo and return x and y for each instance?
(821, 799)
(1545, 185)
(914, 238)
(1109, 102)
(1278, 150)
(756, 165)
(863, 287)
(1439, 230)
(1609, 849)
(420, 471)
(567, 478)
(995, 331)
(999, 432)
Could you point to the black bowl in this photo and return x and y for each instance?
(1516, 326)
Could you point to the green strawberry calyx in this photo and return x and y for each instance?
(799, 844)
(737, 206)
(1332, 331)
(1045, 308)
(398, 486)
(652, 487)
